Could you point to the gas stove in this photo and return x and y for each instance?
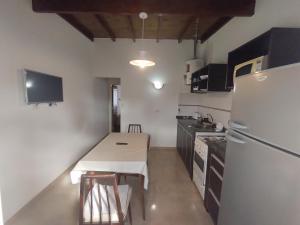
(202, 140)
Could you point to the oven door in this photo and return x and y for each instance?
(199, 162)
(199, 172)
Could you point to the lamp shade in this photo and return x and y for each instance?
(142, 61)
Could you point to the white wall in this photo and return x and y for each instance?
(216, 104)
(39, 143)
(140, 103)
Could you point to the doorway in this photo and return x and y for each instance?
(115, 106)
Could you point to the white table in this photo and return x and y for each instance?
(109, 156)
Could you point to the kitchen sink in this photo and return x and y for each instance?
(203, 125)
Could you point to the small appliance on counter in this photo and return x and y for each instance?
(252, 66)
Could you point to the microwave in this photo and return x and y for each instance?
(252, 66)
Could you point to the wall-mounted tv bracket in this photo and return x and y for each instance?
(52, 104)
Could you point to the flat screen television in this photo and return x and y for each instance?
(42, 88)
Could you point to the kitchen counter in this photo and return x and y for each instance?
(192, 126)
(187, 129)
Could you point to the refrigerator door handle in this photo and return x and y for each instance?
(234, 139)
(235, 125)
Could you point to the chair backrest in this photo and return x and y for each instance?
(100, 200)
(134, 128)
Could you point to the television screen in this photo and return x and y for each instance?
(42, 88)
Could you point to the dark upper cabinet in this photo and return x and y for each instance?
(280, 45)
(210, 78)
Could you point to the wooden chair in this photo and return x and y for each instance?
(137, 128)
(134, 128)
(102, 201)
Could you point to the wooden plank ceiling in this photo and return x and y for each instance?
(168, 19)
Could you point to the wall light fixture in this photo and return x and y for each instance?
(158, 84)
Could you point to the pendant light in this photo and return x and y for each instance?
(142, 61)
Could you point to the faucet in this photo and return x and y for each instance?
(196, 115)
(211, 117)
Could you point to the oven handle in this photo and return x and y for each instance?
(234, 139)
(200, 162)
(236, 125)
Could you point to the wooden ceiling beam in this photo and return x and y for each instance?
(214, 28)
(219, 8)
(106, 26)
(79, 26)
(158, 27)
(129, 18)
(185, 28)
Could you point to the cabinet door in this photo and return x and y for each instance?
(187, 156)
(212, 206)
(184, 147)
(189, 160)
(182, 144)
(217, 77)
(215, 182)
(178, 138)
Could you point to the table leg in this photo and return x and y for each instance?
(142, 194)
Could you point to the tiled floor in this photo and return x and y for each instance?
(171, 199)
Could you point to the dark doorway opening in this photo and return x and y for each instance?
(115, 106)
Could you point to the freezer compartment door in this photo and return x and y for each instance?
(261, 185)
(266, 105)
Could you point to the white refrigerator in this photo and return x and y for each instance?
(261, 184)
